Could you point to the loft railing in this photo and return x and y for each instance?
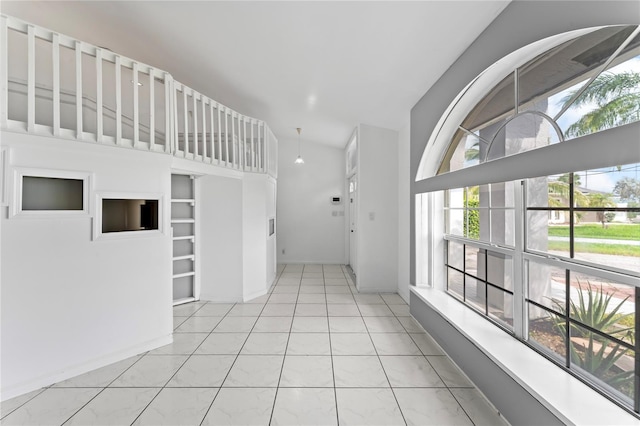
(54, 85)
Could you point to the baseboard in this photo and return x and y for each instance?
(310, 262)
(85, 367)
(253, 295)
(377, 290)
(217, 299)
(403, 291)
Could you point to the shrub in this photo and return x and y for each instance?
(472, 220)
(599, 356)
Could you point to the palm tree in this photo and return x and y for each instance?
(617, 97)
(597, 199)
(560, 190)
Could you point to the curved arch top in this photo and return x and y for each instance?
(519, 79)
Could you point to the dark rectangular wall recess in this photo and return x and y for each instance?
(120, 215)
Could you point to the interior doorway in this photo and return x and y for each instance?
(353, 223)
(183, 225)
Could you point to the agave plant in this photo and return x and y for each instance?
(598, 357)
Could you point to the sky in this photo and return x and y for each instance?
(601, 179)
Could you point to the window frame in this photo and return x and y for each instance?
(19, 173)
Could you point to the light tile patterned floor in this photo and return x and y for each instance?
(312, 352)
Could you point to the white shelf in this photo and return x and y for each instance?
(183, 200)
(184, 237)
(183, 221)
(185, 257)
(184, 274)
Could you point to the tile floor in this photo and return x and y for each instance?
(312, 352)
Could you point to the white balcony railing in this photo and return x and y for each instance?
(54, 85)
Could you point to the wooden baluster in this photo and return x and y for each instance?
(152, 109)
(99, 118)
(118, 101)
(31, 78)
(136, 113)
(55, 59)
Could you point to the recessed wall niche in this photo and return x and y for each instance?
(120, 215)
(128, 215)
(43, 192)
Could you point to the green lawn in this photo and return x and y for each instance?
(612, 231)
(613, 249)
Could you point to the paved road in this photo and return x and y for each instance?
(598, 240)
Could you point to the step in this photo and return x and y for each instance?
(183, 200)
(184, 274)
(184, 237)
(185, 257)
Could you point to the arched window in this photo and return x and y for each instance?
(534, 176)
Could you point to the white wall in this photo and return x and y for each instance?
(236, 256)
(307, 230)
(220, 242)
(272, 196)
(404, 215)
(71, 304)
(377, 229)
(258, 248)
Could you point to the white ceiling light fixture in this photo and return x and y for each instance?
(299, 160)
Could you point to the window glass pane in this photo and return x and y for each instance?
(603, 305)
(620, 183)
(472, 197)
(474, 263)
(501, 306)
(454, 198)
(475, 293)
(472, 220)
(484, 195)
(500, 270)
(503, 227)
(523, 133)
(455, 282)
(464, 151)
(545, 331)
(607, 361)
(548, 78)
(607, 243)
(455, 255)
(502, 194)
(611, 100)
(455, 221)
(546, 286)
(551, 238)
(491, 111)
(552, 191)
(609, 236)
(45, 193)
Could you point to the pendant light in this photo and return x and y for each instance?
(299, 160)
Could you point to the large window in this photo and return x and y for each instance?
(551, 254)
(582, 86)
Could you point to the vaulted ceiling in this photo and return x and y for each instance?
(322, 66)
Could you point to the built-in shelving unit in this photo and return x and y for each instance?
(183, 223)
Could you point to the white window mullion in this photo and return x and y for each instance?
(520, 318)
